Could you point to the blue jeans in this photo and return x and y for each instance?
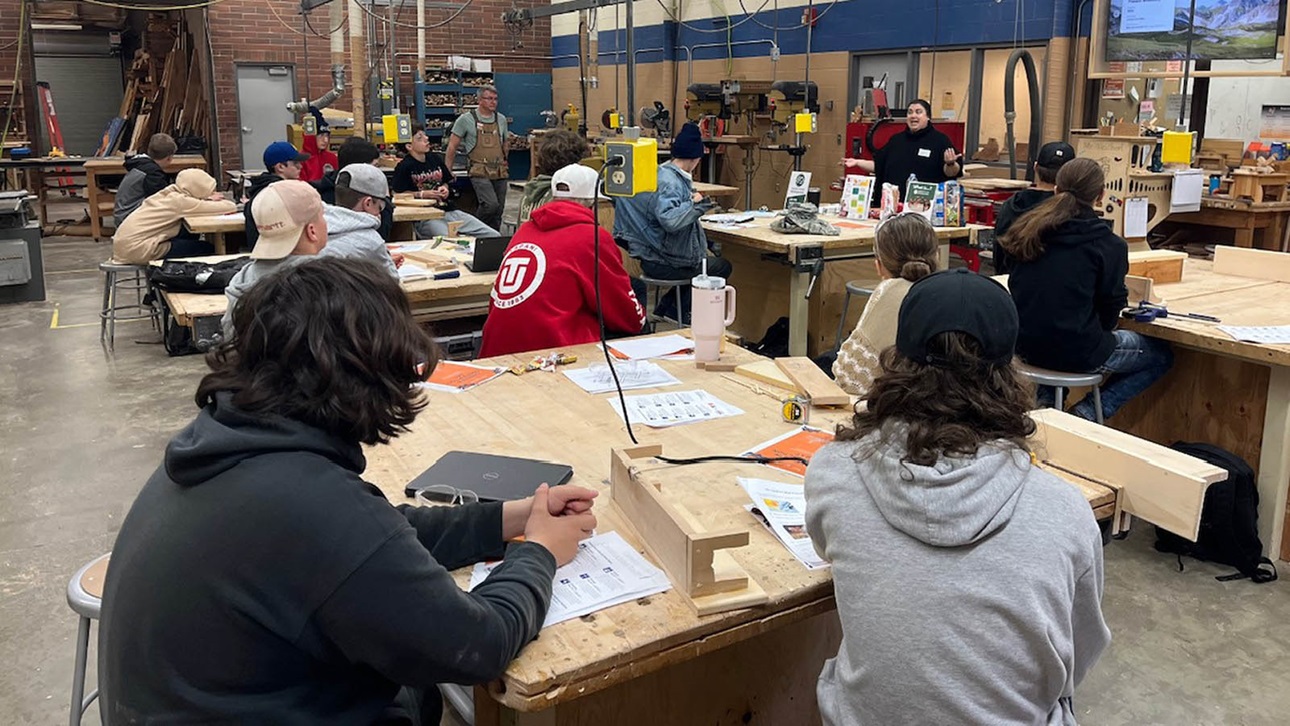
(186, 246)
(1136, 363)
(470, 226)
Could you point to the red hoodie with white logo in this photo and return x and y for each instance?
(544, 298)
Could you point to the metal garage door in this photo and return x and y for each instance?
(87, 95)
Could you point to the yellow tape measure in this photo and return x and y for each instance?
(796, 410)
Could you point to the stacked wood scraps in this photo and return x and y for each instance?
(165, 91)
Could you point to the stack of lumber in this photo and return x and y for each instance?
(165, 91)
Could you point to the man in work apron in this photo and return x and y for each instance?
(489, 171)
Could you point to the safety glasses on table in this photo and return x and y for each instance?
(444, 494)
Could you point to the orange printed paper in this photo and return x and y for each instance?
(460, 376)
(804, 443)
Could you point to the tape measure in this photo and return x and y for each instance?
(796, 410)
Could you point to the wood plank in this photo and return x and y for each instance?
(1258, 264)
(766, 371)
(1160, 485)
(1161, 266)
(808, 377)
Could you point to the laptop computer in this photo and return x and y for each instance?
(493, 478)
(488, 254)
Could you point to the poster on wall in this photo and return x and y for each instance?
(1113, 88)
(1146, 111)
(1222, 29)
(1275, 122)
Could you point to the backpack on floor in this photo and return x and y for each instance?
(1229, 520)
(774, 344)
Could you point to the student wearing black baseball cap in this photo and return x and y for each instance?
(968, 581)
(1051, 158)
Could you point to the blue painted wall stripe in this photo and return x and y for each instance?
(853, 25)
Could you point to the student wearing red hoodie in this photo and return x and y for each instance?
(544, 296)
(318, 146)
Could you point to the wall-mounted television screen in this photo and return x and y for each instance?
(1223, 29)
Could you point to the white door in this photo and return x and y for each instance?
(263, 93)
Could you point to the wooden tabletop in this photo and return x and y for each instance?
(116, 164)
(1234, 300)
(1243, 205)
(715, 190)
(236, 222)
(544, 415)
(854, 233)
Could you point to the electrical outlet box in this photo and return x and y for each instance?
(309, 125)
(805, 123)
(639, 171)
(396, 128)
(404, 68)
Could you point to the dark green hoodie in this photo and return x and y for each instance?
(537, 191)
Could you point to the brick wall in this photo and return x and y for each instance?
(248, 31)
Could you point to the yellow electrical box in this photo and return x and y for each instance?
(804, 123)
(637, 172)
(396, 128)
(1176, 148)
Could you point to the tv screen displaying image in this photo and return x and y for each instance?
(1223, 29)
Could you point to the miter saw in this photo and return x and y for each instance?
(657, 118)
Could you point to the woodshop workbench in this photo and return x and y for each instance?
(1222, 391)
(652, 661)
(773, 274)
(1271, 220)
(100, 203)
(430, 299)
(217, 226)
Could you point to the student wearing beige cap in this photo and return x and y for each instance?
(289, 214)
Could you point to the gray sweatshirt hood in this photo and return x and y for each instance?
(955, 502)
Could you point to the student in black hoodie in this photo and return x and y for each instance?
(1068, 284)
(259, 579)
(355, 151)
(144, 176)
(281, 161)
(1052, 156)
(920, 150)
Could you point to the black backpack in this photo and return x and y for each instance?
(1229, 520)
(774, 344)
(202, 277)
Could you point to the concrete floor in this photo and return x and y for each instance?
(82, 430)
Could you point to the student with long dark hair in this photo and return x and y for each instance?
(968, 581)
(1067, 280)
(259, 579)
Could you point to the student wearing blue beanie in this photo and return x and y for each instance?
(661, 229)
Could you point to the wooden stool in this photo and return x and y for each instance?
(85, 598)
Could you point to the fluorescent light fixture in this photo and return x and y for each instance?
(55, 26)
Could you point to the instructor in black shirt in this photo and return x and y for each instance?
(920, 150)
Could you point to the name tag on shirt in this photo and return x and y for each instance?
(925, 153)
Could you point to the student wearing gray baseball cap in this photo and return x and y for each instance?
(354, 221)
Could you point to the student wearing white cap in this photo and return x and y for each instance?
(545, 296)
(353, 223)
(289, 214)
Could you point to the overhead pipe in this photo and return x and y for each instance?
(421, 40)
(1010, 109)
(358, 60)
(1074, 60)
(689, 52)
(337, 38)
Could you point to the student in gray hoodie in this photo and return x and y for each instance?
(353, 223)
(968, 581)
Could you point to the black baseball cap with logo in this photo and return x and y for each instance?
(957, 301)
(1055, 153)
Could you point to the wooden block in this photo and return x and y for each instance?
(1162, 266)
(1247, 262)
(767, 372)
(716, 366)
(1155, 483)
(813, 382)
(710, 579)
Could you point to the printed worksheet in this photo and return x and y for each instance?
(669, 347)
(803, 442)
(1264, 334)
(661, 410)
(606, 572)
(782, 508)
(453, 377)
(632, 374)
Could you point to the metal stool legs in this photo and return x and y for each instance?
(115, 279)
(81, 702)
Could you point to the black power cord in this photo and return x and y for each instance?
(614, 161)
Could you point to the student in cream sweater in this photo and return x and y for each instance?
(905, 252)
